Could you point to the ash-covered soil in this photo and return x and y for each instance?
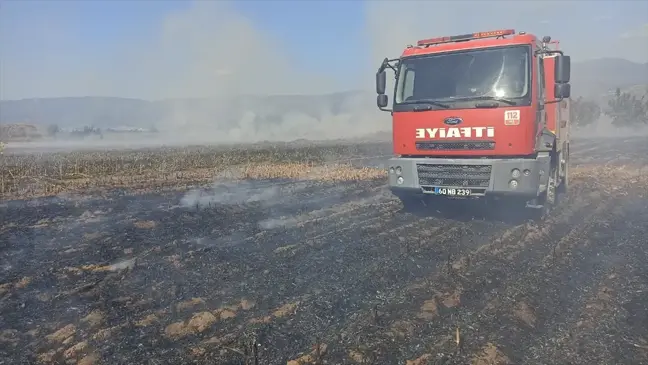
(268, 272)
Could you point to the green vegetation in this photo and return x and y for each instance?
(584, 112)
(628, 110)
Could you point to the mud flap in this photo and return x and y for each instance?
(563, 188)
(547, 187)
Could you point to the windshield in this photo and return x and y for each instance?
(498, 73)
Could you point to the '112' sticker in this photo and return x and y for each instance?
(511, 117)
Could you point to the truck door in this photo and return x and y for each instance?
(556, 113)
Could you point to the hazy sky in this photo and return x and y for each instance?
(160, 49)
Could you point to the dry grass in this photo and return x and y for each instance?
(301, 171)
(610, 179)
(32, 175)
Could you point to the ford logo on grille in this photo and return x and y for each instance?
(452, 121)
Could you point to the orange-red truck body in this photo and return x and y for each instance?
(515, 139)
(470, 150)
(557, 113)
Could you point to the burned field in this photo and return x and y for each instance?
(304, 260)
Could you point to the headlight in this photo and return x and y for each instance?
(515, 173)
(400, 180)
(399, 170)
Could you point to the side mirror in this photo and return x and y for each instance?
(562, 69)
(381, 82)
(382, 100)
(562, 91)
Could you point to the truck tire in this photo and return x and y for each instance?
(547, 199)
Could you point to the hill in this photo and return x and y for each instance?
(334, 115)
(597, 77)
(113, 112)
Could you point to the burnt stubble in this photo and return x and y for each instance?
(269, 266)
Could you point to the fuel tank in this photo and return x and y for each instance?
(503, 131)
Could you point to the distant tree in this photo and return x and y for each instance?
(53, 129)
(627, 110)
(584, 112)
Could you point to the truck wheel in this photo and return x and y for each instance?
(548, 198)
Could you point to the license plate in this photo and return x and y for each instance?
(452, 191)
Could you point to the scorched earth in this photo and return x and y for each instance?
(327, 271)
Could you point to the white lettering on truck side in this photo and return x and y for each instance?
(463, 132)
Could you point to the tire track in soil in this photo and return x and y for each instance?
(586, 225)
(537, 294)
(451, 288)
(543, 299)
(612, 316)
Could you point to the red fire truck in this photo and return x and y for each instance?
(479, 115)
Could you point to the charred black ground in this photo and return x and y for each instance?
(270, 271)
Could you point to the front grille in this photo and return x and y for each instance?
(454, 175)
(456, 145)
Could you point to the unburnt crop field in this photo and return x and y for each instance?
(286, 254)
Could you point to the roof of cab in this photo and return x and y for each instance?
(469, 44)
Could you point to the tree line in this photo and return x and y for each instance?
(625, 110)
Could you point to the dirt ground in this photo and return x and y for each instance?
(320, 272)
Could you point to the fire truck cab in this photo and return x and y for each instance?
(479, 115)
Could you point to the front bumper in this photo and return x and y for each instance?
(481, 176)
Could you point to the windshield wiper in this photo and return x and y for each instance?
(426, 104)
(487, 104)
(493, 98)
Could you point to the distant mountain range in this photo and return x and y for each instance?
(594, 78)
(343, 114)
(116, 112)
(351, 112)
